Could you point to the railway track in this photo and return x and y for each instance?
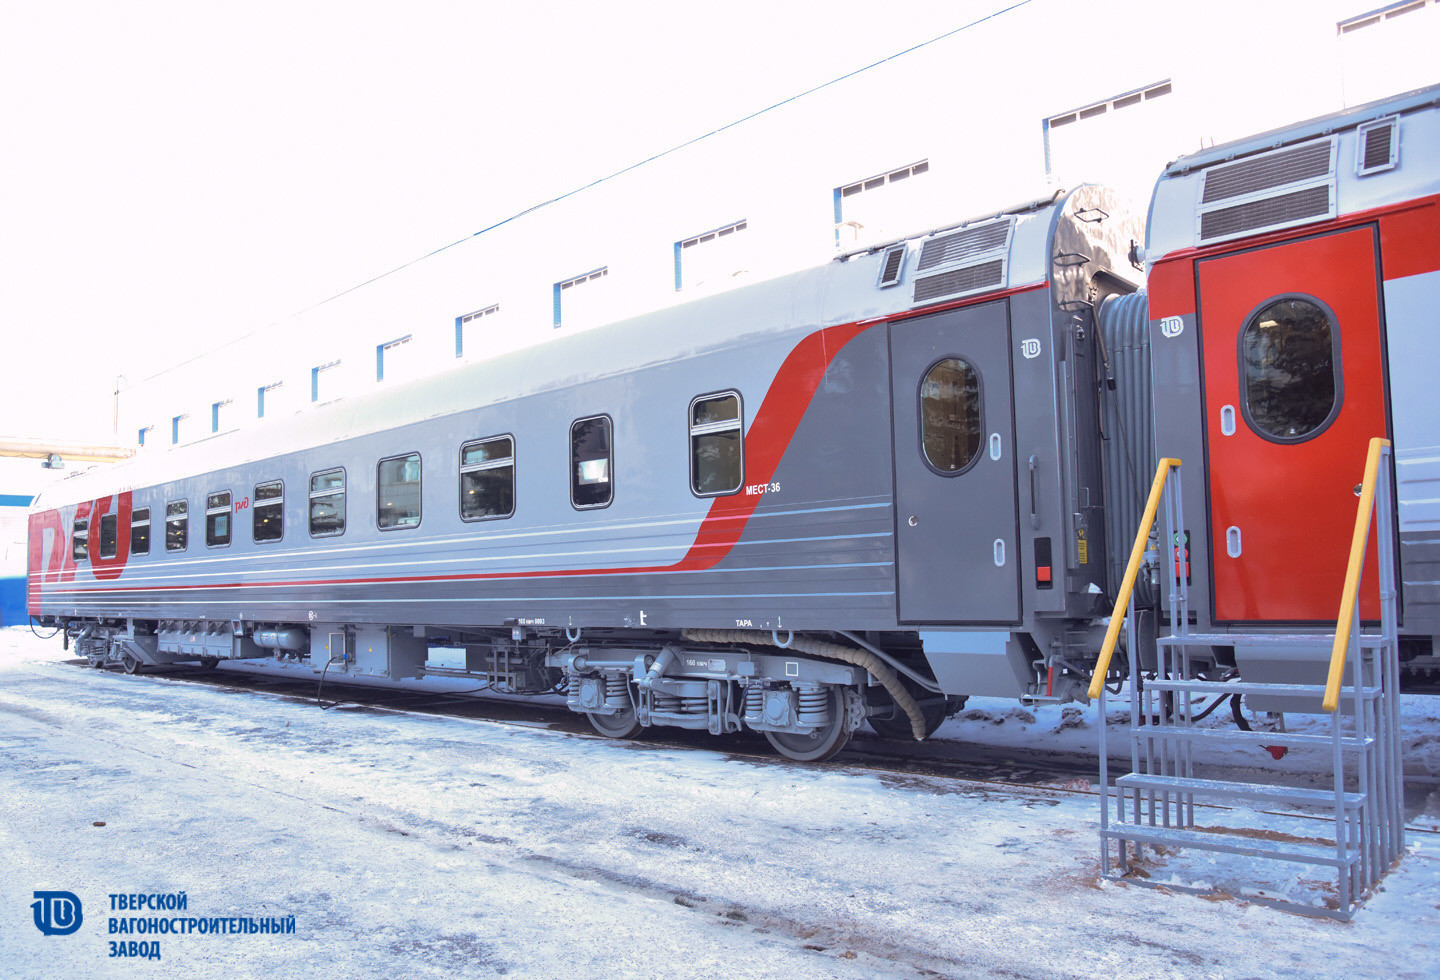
(892, 761)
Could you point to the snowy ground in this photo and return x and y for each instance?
(414, 845)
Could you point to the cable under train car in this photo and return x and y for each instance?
(860, 493)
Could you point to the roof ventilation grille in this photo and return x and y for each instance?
(965, 243)
(1307, 162)
(962, 280)
(1313, 202)
(892, 266)
(1270, 190)
(1379, 150)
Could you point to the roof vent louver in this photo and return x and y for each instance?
(1283, 187)
(965, 261)
(1379, 147)
(891, 267)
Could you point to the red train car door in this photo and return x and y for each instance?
(1294, 391)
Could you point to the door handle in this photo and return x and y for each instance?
(1034, 504)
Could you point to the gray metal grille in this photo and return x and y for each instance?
(890, 273)
(1308, 203)
(1249, 176)
(960, 280)
(962, 244)
(1376, 155)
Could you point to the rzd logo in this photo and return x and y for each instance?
(1172, 326)
(1030, 347)
(57, 913)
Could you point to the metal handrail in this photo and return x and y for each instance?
(1359, 539)
(1137, 555)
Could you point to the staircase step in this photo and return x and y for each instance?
(1233, 844)
(1290, 739)
(1368, 640)
(1229, 790)
(1252, 687)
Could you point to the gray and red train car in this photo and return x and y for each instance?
(855, 494)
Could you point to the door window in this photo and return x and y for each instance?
(950, 415)
(1288, 365)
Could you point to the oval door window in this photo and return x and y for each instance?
(1290, 380)
(950, 430)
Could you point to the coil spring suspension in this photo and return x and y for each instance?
(616, 695)
(694, 706)
(663, 702)
(754, 704)
(814, 706)
(573, 694)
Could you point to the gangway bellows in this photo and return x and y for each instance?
(1154, 804)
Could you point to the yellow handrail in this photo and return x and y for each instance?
(1137, 554)
(1358, 540)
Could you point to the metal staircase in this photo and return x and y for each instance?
(1155, 804)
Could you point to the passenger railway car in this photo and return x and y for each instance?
(858, 493)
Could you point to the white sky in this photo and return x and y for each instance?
(177, 174)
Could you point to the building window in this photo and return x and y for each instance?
(470, 319)
(716, 444)
(140, 532)
(268, 520)
(717, 261)
(175, 428)
(591, 478)
(398, 492)
(563, 288)
(144, 433)
(860, 213)
(1289, 360)
(950, 415)
(1070, 147)
(80, 539)
(327, 503)
(260, 398)
(177, 525)
(385, 348)
(487, 479)
(217, 520)
(315, 374)
(215, 411)
(109, 535)
(1374, 17)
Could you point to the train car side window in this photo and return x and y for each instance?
(327, 503)
(950, 423)
(177, 525)
(140, 532)
(398, 492)
(109, 534)
(487, 479)
(217, 520)
(1289, 369)
(716, 444)
(591, 476)
(80, 539)
(268, 515)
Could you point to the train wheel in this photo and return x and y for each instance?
(209, 663)
(622, 724)
(821, 744)
(131, 665)
(898, 728)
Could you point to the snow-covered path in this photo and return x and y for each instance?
(414, 845)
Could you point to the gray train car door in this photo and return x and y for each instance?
(956, 525)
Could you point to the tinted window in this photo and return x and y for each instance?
(591, 480)
(487, 479)
(1287, 360)
(140, 532)
(715, 445)
(109, 534)
(327, 502)
(217, 519)
(177, 525)
(268, 515)
(398, 503)
(80, 540)
(950, 415)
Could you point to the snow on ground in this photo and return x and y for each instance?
(419, 845)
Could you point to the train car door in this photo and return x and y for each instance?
(1294, 391)
(956, 551)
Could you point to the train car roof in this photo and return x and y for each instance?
(1421, 98)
